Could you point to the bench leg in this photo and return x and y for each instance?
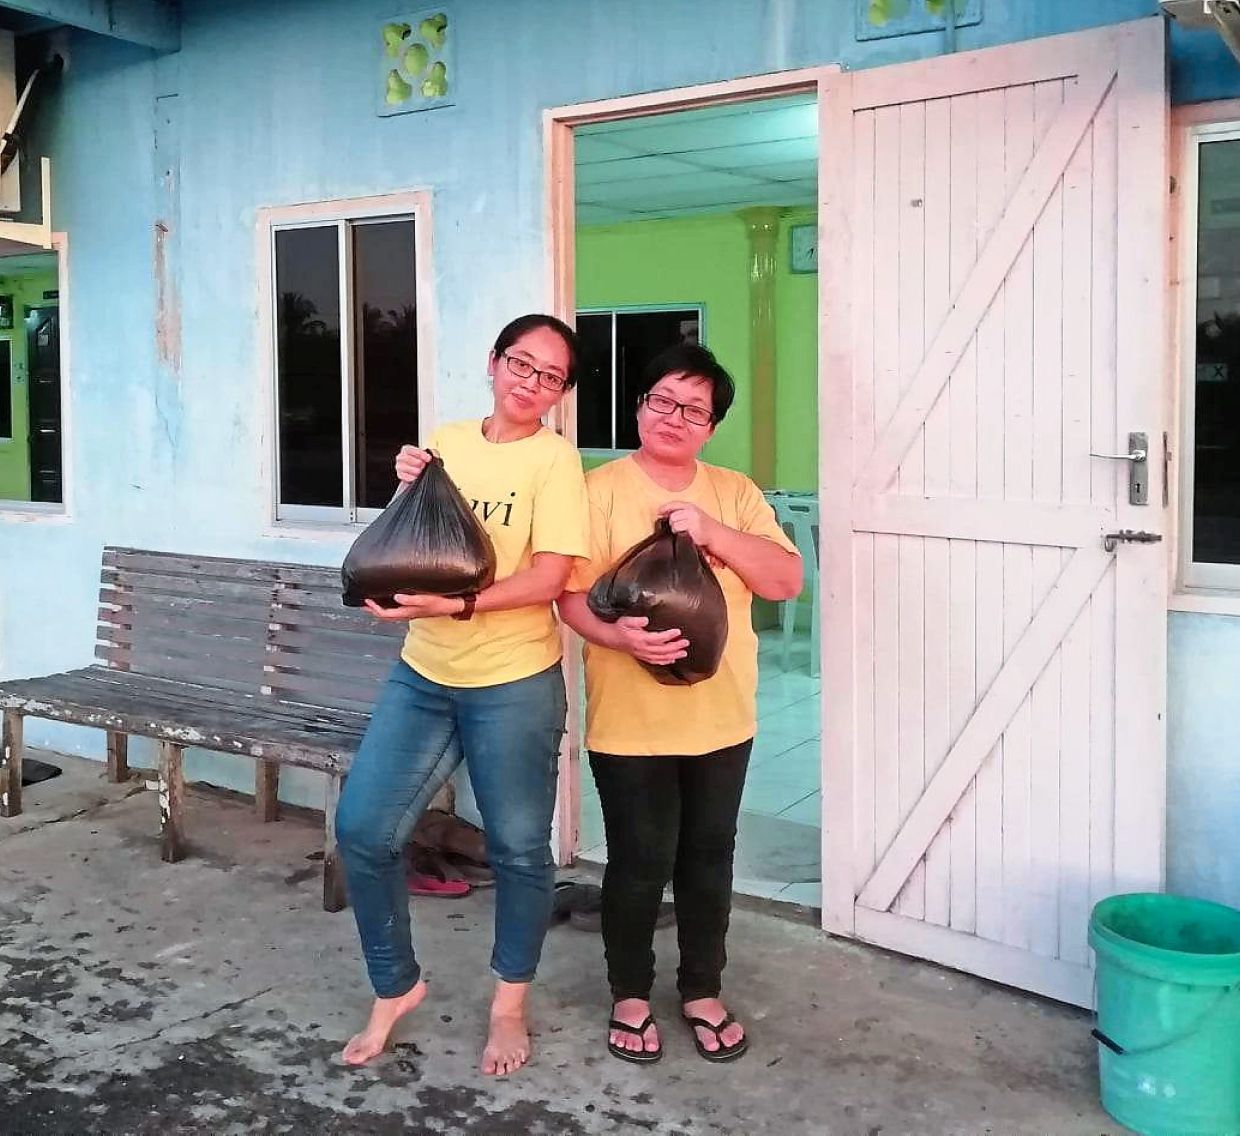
(11, 765)
(267, 790)
(118, 757)
(171, 803)
(334, 894)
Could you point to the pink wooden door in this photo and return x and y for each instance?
(993, 291)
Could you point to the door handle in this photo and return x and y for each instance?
(1138, 459)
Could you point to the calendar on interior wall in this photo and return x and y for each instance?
(417, 69)
(803, 248)
(881, 19)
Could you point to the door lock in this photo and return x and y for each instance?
(1138, 459)
(1127, 536)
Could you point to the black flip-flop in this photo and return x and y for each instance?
(564, 901)
(641, 1056)
(724, 1052)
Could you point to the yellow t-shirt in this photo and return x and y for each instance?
(627, 710)
(531, 497)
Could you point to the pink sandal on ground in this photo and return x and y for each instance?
(430, 875)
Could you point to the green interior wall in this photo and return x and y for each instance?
(705, 260)
(796, 365)
(700, 260)
(26, 290)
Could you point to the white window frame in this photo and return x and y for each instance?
(1199, 585)
(414, 205)
(623, 310)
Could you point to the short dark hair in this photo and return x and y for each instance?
(696, 361)
(518, 327)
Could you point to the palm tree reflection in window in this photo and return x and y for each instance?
(309, 391)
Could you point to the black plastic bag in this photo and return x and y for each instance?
(667, 579)
(426, 541)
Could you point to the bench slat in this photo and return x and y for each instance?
(202, 622)
(175, 692)
(248, 591)
(221, 567)
(339, 691)
(339, 618)
(366, 669)
(189, 640)
(230, 675)
(332, 641)
(137, 602)
(229, 729)
(297, 599)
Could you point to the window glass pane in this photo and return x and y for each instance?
(308, 364)
(1216, 483)
(594, 383)
(386, 340)
(640, 336)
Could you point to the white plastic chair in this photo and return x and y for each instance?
(798, 517)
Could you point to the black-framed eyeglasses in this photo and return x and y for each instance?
(694, 415)
(523, 369)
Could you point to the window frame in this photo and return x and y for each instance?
(1197, 585)
(13, 510)
(414, 205)
(622, 310)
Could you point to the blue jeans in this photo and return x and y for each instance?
(509, 736)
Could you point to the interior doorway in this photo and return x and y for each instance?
(31, 403)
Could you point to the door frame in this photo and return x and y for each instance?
(559, 222)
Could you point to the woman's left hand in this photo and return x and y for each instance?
(415, 607)
(685, 518)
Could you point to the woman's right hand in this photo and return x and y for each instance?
(410, 462)
(658, 648)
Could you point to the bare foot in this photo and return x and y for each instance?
(508, 1041)
(712, 1010)
(368, 1044)
(634, 1011)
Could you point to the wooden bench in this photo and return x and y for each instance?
(237, 656)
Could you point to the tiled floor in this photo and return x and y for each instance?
(778, 854)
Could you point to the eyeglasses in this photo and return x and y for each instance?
(694, 415)
(523, 369)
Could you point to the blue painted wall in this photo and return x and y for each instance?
(272, 103)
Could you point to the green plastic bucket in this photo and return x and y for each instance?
(1168, 1027)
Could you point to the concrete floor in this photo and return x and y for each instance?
(213, 996)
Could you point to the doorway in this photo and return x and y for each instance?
(31, 406)
(42, 325)
(699, 224)
(995, 643)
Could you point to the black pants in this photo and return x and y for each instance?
(669, 818)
